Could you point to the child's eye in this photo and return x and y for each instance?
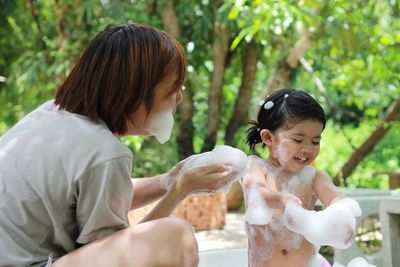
(297, 140)
(316, 143)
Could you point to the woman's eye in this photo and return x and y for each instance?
(316, 143)
(297, 140)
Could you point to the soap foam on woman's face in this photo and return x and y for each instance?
(160, 125)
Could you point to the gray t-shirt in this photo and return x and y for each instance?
(64, 181)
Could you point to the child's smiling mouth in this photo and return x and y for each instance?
(301, 159)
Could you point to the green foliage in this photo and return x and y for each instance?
(336, 149)
(150, 157)
(42, 41)
(354, 52)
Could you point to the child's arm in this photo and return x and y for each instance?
(331, 197)
(258, 211)
(325, 190)
(317, 227)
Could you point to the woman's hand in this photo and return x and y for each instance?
(206, 178)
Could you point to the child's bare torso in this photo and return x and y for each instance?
(273, 245)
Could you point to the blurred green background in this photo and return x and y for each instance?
(345, 53)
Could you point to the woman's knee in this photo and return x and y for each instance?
(182, 234)
(173, 237)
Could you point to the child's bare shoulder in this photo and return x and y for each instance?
(255, 162)
(254, 158)
(321, 175)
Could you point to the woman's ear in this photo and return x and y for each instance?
(267, 137)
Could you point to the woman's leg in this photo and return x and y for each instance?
(164, 242)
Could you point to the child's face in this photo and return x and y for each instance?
(166, 100)
(296, 146)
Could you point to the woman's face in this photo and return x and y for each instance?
(297, 146)
(159, 121)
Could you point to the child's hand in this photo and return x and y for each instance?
(285, 197)
(278, 200)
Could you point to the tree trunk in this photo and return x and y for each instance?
(240, 113)
(35, 12)
(287, 65)
(184, 136)
(170, 20)
(220, 49)
(360, 153)
(185, 111)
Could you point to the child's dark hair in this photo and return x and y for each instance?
(281, 107)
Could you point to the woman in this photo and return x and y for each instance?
(65, 176)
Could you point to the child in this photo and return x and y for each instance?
(289, 124)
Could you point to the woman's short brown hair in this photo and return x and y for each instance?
(118, 71)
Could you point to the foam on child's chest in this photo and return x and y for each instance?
(299, 183)
(275, 233)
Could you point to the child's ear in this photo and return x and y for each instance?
(267, 137)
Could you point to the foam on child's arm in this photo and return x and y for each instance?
(258, 212)
(334, 226)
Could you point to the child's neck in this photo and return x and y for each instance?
(274, 165)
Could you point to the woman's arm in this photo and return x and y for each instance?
(146, 190)
(325, 190)
(210, 177)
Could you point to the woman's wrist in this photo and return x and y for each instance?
(180, 189)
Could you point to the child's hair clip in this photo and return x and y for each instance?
(258, 129)
(286, 95)
(269, 105)
(261, 102)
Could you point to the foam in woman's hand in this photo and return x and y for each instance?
(334, 226)
(220, 154)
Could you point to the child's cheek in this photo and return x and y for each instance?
(281, 153)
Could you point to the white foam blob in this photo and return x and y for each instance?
(334, 226)
(258, 212)
(356, 262)
(160, 125)
(220, 154)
